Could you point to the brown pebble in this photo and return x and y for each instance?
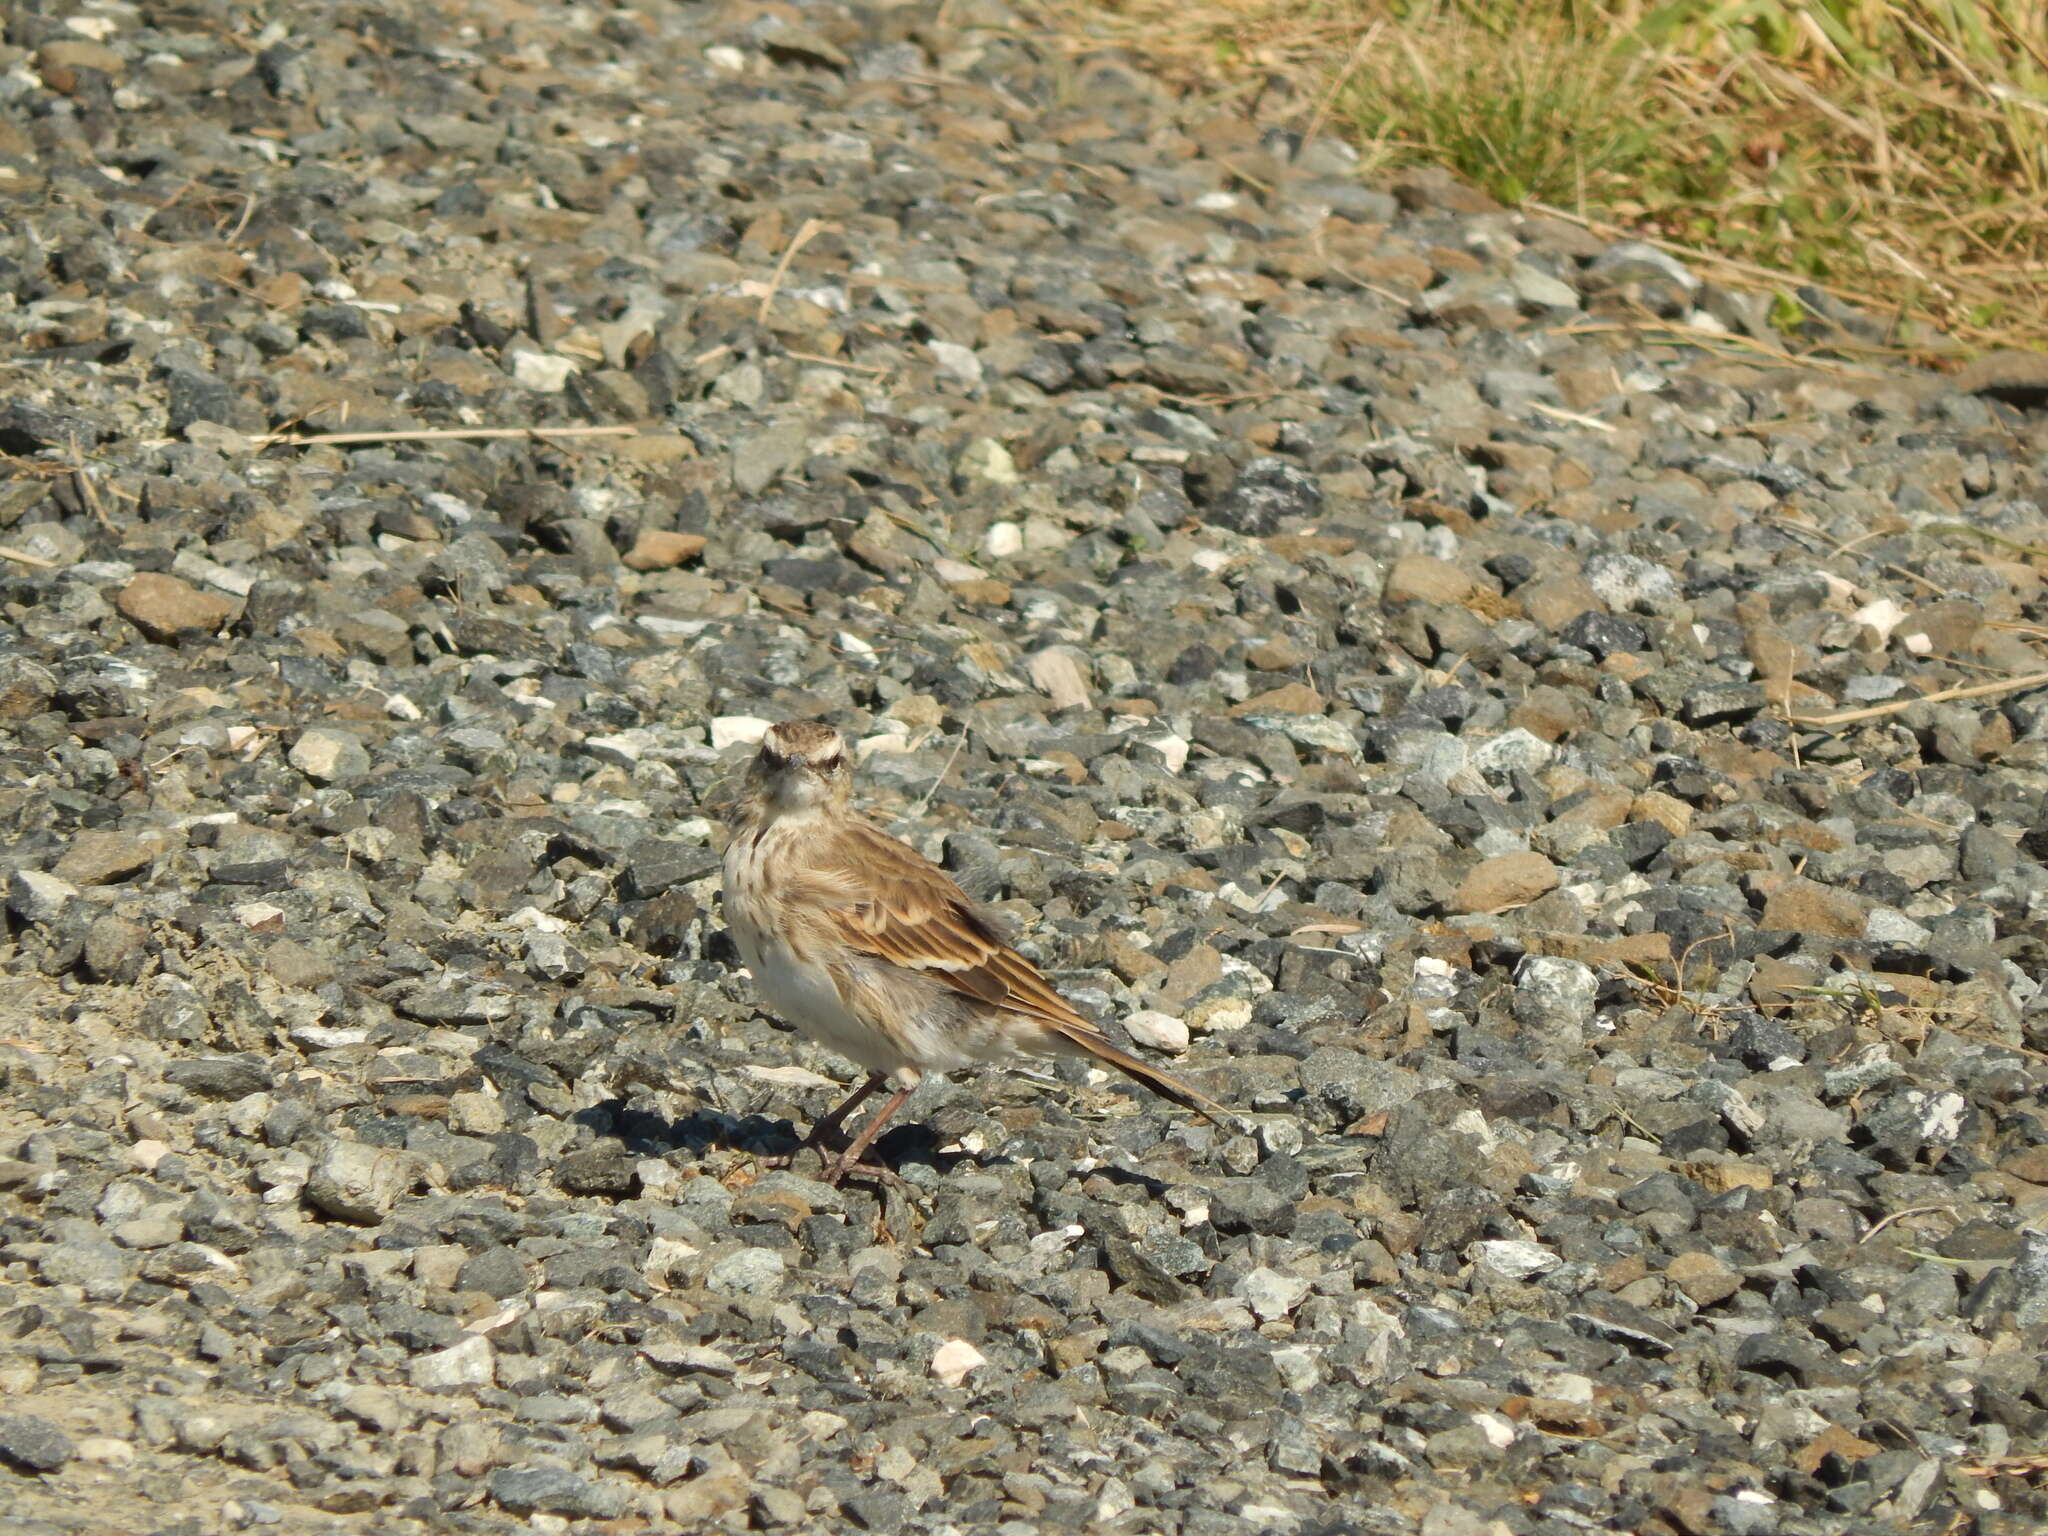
(165, 608)
(1805, 906)
(660, 549)
(1505, 881)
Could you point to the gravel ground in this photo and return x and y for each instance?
(1470, 696)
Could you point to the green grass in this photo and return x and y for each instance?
(1893, 151)
(1527, 113)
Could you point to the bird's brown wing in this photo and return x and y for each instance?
(908, 911)
(902, 908)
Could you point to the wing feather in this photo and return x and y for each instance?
(896, 905)
(913, 914)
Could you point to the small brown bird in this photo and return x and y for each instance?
(871, 949)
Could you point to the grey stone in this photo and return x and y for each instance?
(551, 957)
(656, 864)
(760, 460)
(1635, 258)
(1909, 1121)
(99, 1268)
(33, 1442)
(1250, 1205)
(496, 1272)
(1354, 1086)
(1540, 290)
(325, 755)
(1629, 583)
(220, 1077)
(557, 1491)
(357, 1182)
(468, 1364)
(748, 1272)
(116, 950)
(37, 898)
(1553, 1000)
(1265, 493)
(1604, 634)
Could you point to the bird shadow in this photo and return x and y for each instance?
(1110, 1174)
(648, 1133)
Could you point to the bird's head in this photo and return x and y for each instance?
(802, 766)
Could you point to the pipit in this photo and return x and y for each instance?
(874, 951)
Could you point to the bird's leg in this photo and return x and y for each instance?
(849, 1160)
(829, 1127)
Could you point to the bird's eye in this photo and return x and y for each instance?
(830, 764)
(770, 758)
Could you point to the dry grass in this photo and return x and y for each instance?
(1891, 152)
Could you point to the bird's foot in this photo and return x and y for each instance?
(842, 1167)
(836, 1164)
(848, 1159)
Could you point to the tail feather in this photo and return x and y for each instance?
(1170, 1088)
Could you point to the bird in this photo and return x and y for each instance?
(870, 949)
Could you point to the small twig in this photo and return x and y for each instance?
(834, 362)
(86, 490)
(1733, 342)
(1748, 268)
(1994, 1041)
(1247, 177)
(1785, 704)
(248, 208)
(1100, 174)
(1559, 413)
(1939, 1258)
(2023, 1465)
(1806, 93)
(1207, 402)
(1911, 1210)
(1321, 247)
(1943, 696)
(1329, 102)
(958, 746)
(911, 525)
(809, 229)
(23, 557)
(1935, 587)
(172, 201)
(988, 87)
(275, 439)
(1958, 661)
(1989, 537)
(91, 494)
(1791, 525)
(908, 285)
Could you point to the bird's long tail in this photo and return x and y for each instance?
(1166, 1087)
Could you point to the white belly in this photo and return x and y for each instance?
(799, 993)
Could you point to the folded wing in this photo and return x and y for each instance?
(904, 909)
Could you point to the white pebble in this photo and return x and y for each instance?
(738, 730)
(1058, 674)
(472, 1363)
(1161, 1031)
(1271, 1294)
(958, 361)
(1513, 1258)
(542, 371)
(952, 1360)
(1173, 748)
